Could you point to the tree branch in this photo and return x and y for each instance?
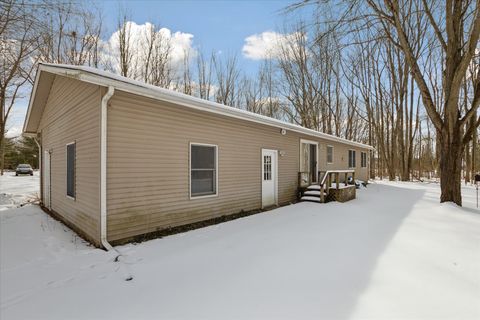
(434, 25)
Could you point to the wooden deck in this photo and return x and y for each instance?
(329, 186)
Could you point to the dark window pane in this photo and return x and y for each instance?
(203, 182)
(351, 158)
(71, 170)
(363, 159)
(203, 157)
(267, 168)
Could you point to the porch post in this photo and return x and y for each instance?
(322, 195)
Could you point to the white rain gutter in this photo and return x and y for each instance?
(121, 83)
(103, 170)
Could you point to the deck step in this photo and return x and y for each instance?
(314, 193)
(313, 187)
(310, 198)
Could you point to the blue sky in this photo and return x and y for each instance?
(215, 25)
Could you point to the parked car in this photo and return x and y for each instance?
(24, 169)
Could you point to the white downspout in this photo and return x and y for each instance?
(103, 170)
(103, 185)
(39, 154)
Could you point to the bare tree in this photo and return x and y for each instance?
(17, 43)
(456, 27)
(436, 42)
(125, 49)
(187, 84)
(153, 60)
(70, 34)
(227, 78)
(204, 76)
(300, 80)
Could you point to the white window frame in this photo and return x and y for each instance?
(333, 154)
(75, 170)
(300, 151)
(361, 159)
(190, 170)
(317, 167)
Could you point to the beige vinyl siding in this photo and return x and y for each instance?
(340, 159)
(72, 114)
(148, 164)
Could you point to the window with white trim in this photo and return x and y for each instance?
(71, 155)
(329, 154)
(351, 158)
(203, 170)
(363, 159)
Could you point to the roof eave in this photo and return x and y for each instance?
(165, 95)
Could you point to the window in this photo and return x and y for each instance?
(203, 170)
(363, 159)
(71, 154)
(267, 168)
(351, 158)
(329, 154)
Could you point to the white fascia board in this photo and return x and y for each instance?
(30, 102)
(106, 79)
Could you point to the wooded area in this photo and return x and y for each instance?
(402, 76)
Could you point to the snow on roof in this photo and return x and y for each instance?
(104, 78)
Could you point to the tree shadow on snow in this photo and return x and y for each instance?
(307, 261)
(347, 241)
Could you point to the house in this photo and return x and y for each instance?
(121, 158)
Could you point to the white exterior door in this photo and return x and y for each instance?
(46, 180)
(269, 177)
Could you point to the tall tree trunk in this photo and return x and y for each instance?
(474, 152)
(451, 167)
(467, 158)
(2, 130)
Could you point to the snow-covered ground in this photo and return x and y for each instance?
(16, 191)
(395, 252)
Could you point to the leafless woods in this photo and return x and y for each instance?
(402, 76)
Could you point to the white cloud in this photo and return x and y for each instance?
(267, 45)
(14, 131)
(181, 43)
